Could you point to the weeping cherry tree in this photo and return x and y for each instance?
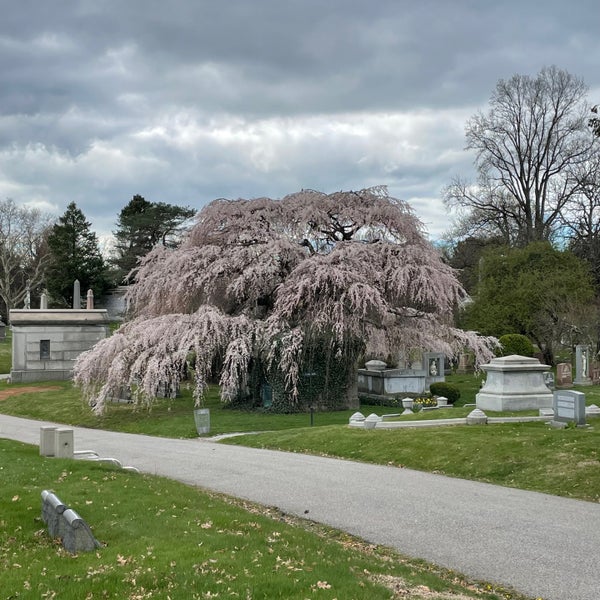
(271, 282)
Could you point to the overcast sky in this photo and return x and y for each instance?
(189, 100)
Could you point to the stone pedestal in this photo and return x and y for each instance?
(514, 383)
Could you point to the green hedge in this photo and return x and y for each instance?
(447, 390)
(515, 343)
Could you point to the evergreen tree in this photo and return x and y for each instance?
(74, 254)
(141, 226)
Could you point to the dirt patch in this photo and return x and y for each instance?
(4, 394)
(401, 590)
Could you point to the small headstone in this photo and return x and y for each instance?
(549, 380)
(43, 302)
(564, 375)
(90, 300)
(465, 363)
(569, 407)
(592, 410)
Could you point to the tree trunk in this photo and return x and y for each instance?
(352, 401)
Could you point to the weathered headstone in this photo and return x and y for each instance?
(564, 377)
(595, 372)
(569, 407)
(465, 363)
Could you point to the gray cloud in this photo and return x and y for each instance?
(187, 101)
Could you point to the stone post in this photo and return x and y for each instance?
(90, 300)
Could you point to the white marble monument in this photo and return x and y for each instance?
(514, 383)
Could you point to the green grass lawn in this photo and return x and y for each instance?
(167, 418)
(163, 539)
(530, 456)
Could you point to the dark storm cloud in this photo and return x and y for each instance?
(185, 101)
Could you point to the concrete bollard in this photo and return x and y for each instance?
(63, 443)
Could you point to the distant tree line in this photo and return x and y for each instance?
(39, 254)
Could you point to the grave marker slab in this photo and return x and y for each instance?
(569, 407)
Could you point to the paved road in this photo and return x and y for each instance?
(539, 544)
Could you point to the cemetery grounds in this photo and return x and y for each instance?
(164, 539)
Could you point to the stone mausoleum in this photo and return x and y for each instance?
(46, 342)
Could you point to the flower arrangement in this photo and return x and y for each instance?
(424, 402)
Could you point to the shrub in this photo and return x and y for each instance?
(447, 390)
(515, 343)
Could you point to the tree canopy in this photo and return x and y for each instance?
(537, 291)
(263, 280)
(74, 254)
(141, 225)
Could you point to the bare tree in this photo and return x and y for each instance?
(581, 224)
(23, 252)
(529, 146)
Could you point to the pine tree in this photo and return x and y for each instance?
(142, 225)
(74, 254)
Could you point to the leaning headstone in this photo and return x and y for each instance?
(564, 375)
(77, 535)
(569, 407)
(64, 523)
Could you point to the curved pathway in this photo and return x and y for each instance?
(541, 545)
